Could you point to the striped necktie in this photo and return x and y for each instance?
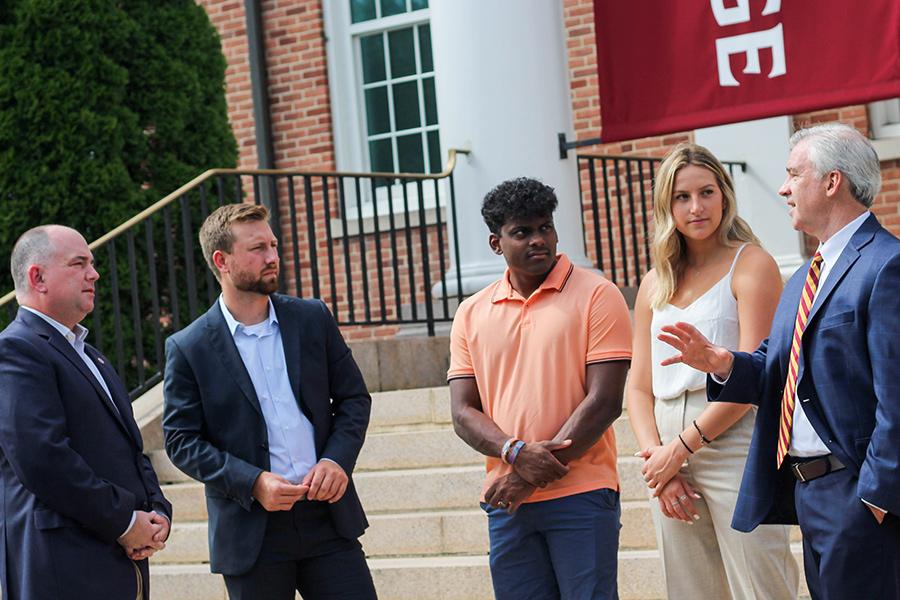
(790, 386)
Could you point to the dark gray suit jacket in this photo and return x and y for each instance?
(215, 431)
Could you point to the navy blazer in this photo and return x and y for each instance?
(215, 430)
(848, 382)
(72, 469)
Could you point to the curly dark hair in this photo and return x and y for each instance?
(519, 198)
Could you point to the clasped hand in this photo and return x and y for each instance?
(537, 465)
(534, 467)
(325, 482)
(661, 464)
(147, 535)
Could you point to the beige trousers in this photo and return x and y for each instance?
(709, 559)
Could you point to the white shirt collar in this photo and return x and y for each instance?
(79, 333)
(832, 248)
(233, 323)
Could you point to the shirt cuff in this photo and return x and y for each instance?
(332, 461)
(715, 378)
(134, 518)
(867, 503)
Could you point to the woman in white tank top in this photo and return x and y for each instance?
(709, 270)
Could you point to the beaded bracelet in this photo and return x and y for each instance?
(514, 453)
(703, 439)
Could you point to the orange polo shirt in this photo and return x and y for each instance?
(528, 358)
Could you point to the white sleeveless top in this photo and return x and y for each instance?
(714, 314)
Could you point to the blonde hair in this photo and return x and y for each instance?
(669, 248)
(215, 233)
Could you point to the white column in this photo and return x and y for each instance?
(763, 145)
(502, 84)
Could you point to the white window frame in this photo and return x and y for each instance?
(884, 118)
(348, 113)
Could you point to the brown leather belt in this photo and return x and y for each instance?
(807, 469)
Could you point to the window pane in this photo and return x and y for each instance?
(377, 115)
(425, 48)
(419, 4)
(392, 7)
(430, 102)
(381, 156)
(403, 52)
(362, 10)
(406, 106)
(372, 50)
(434, 152)
(409, 151)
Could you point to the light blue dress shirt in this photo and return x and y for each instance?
(292, 450)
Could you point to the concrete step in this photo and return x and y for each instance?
(408, 446)
(399, 490)
(431, 578)
(188, 501)
(431, 406)
(433, 446)
(425, 533)
(410, 407)
(405, 490)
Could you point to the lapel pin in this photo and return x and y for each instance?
(101, 361)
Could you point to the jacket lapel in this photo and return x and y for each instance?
(119, 394)
(222, 344)
(849, 256)
(59, 343)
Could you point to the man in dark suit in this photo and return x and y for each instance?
(81, 506)
(826, 448)
(266, 406)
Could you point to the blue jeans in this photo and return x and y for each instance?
(565, 548)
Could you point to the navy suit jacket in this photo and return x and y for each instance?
(215, 431)
(848, 382)
(72, 469)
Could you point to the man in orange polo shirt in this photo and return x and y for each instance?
(537, 370)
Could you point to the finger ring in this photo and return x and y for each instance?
(682, 498)
(501, 503)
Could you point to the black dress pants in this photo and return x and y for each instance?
(302, 552)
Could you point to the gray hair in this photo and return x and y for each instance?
(32, 247)
(839, 147)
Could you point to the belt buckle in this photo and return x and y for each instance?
(795, 467)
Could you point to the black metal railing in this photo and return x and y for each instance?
(372, 246)
(617, 209)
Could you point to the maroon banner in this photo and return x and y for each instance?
(675, 65)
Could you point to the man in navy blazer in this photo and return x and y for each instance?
(265, 405)
(81, 506)
(841, 477)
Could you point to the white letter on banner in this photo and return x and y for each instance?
(731, 16)
(741, 12)
(772, 7)
(751, 44)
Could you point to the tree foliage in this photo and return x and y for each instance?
(105, 107)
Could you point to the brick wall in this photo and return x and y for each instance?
(301, 121)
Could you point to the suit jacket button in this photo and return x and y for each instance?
(264, 446)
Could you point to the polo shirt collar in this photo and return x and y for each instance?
(555, 280)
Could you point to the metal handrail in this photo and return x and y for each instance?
(194, 183)
(727, 163)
